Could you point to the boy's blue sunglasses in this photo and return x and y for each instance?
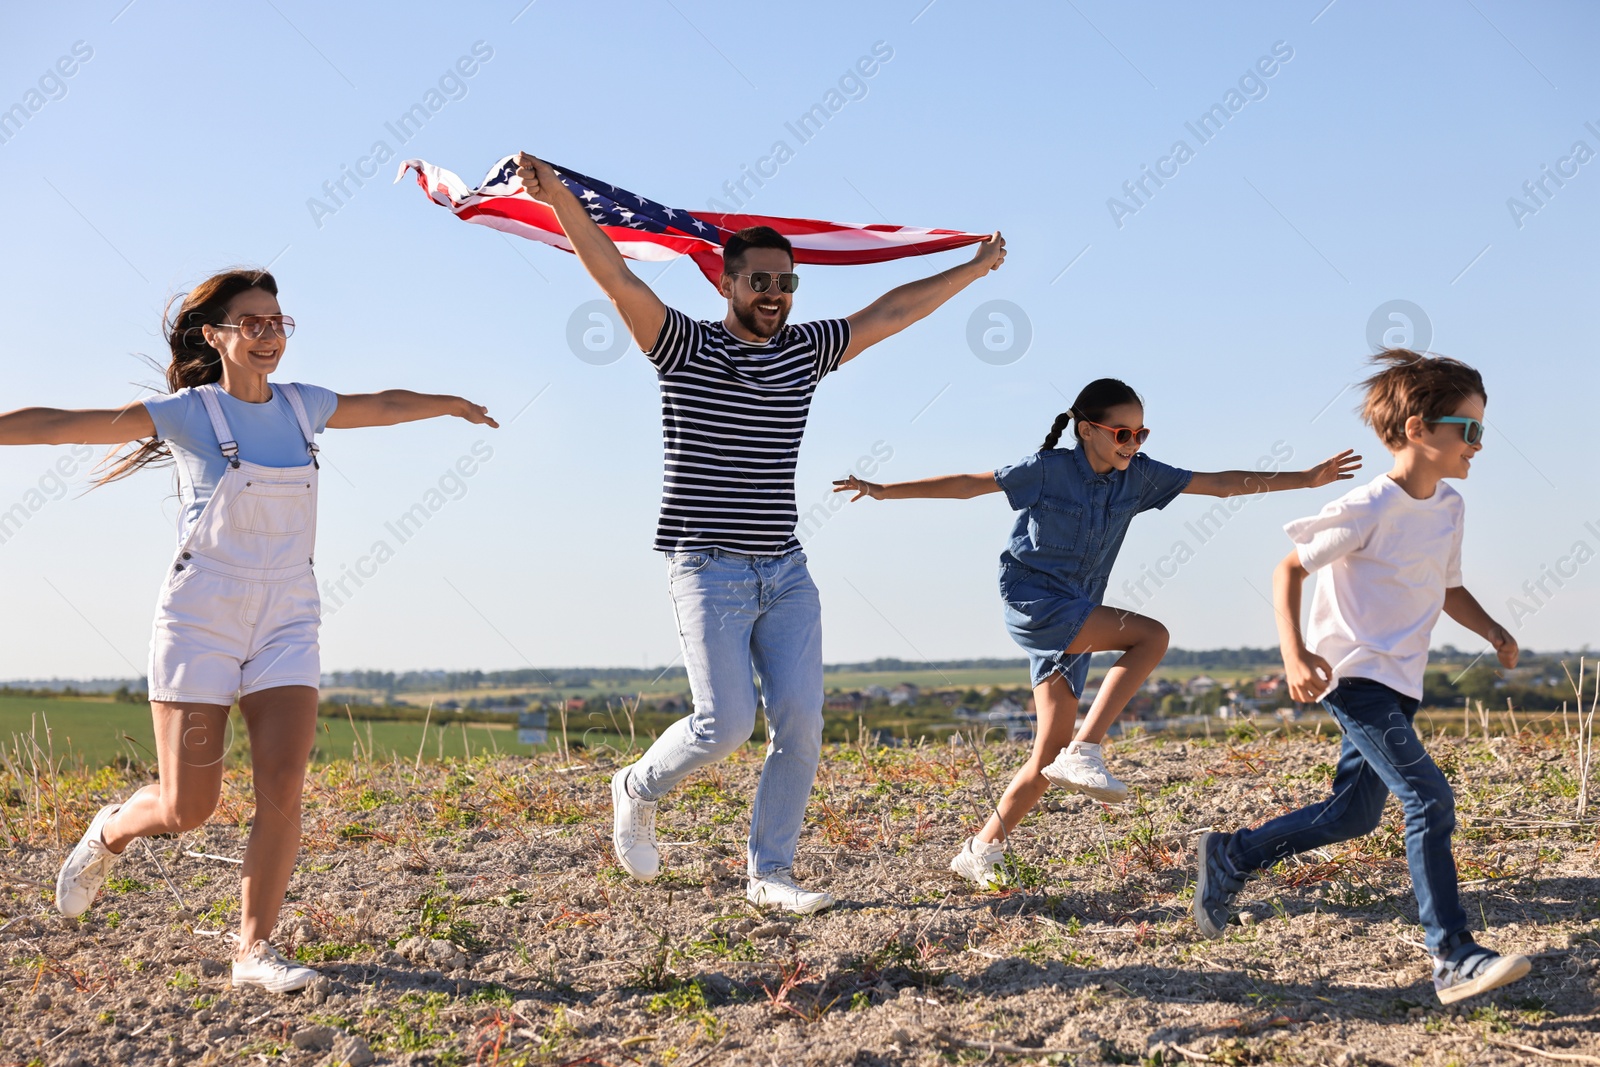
(1471, 429)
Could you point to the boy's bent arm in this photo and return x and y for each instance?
(1301, 666)
(641, 310)
(1464, 608)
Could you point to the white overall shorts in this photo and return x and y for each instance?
(239, 611)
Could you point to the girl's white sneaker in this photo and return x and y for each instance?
(1081, 768)
(979, 861)
(87, 868)
(265, 968)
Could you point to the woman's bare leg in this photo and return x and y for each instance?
(1057, 710)
(191, 742)
(282, 724)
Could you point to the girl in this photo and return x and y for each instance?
(1074, 506)
(238, 613)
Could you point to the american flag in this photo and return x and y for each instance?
(644, 229)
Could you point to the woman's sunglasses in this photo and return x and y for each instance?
(1123, 434)
(761, 280)
(1471, 429)
(252, 327)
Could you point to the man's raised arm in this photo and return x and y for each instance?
(641, 310)
(901, 306)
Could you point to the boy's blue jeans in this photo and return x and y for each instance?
(1381, 754)
(741, 618)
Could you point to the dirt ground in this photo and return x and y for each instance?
(471, 912)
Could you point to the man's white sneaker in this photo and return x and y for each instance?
(87, 868)
(265, 968)
(979, 861)
(1081, 768)
(633, 830)
(778, 890)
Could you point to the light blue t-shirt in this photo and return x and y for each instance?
(268, 435)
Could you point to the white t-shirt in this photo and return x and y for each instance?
(1386, 559)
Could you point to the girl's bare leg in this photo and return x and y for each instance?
(1057, 710)
(1142, 641)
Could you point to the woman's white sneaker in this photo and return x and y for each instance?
(980, 862)
(778, 890)
(264, 968)
(87, 868)
(633, 830)
(1081, 768)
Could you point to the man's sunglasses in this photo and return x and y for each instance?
(1123, 434)
(761, 280)
(253, 327)
(1471, 429)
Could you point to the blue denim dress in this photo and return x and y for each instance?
(1069, 529)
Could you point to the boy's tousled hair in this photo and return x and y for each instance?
(1411, 383)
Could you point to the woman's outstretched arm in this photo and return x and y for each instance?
(59, 426)
(393, 406)
(946, 487)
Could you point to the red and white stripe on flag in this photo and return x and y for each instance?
(658, 233)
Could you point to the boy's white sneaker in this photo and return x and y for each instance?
(1474, 969)
(778, 890)
(1081, 768)
(264, 968)
(633, 830)
(980, 862)
(87, 868)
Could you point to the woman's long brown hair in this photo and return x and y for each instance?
(193, 361)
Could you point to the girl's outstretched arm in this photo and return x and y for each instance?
(1236, 483)
(946, 486)
(402, 405)
(58, 426)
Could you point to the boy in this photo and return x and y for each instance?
(1390, 553)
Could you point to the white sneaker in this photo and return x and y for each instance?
(87, 869)
(264, 967)
(633, 830)
(979, 861)
(778, 890)
(1081, 768)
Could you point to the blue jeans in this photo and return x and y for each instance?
(743, 618)
(1380, 754)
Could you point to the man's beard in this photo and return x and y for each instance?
(747, 319)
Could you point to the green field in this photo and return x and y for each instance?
(98, 731)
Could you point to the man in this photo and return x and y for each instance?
(734, 399)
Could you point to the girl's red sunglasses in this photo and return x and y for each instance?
(1123, 434)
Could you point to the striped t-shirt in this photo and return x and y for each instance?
(732, 415)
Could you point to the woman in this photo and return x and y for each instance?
(238, 613)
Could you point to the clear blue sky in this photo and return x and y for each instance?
(1375, 164)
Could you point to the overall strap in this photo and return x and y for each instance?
(219, 425)
(291, 392)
